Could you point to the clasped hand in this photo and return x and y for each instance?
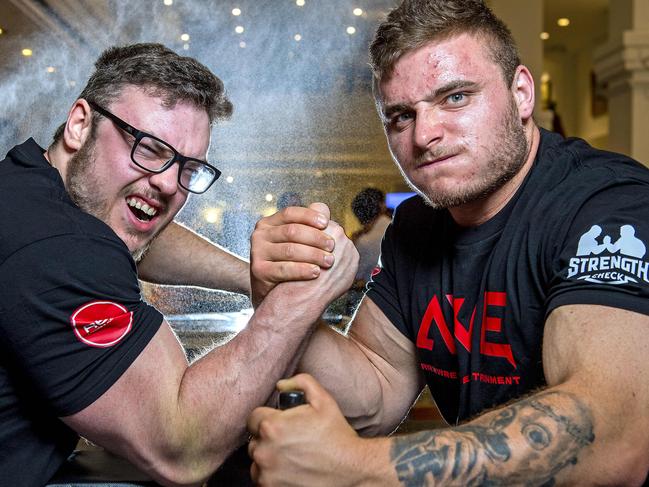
(301, 244)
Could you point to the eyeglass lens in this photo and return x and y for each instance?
(153, 155)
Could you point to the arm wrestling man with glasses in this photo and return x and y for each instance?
(82, 353)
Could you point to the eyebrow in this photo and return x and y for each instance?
(390, 110)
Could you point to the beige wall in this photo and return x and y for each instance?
(525, 20)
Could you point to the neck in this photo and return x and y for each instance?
(480, 211)
(57, 158)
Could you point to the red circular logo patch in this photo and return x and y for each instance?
(101, 323)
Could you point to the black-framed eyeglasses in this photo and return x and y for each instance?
(155, 155)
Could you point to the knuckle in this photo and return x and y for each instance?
(260, 224)
(283, 272)
(289, 251)
(290, 231)
(266, 429)
(286, 213)
(338, 232)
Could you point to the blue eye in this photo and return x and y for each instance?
(403, 117)
(400, 120)
(456, 97)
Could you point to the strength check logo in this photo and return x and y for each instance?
(598, 259)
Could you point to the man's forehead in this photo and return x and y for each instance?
(442, 61)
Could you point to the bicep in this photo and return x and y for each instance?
(136, 416)
(600, 354)
(372, 371)
(595, 343)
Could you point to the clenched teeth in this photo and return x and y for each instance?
(142, 206)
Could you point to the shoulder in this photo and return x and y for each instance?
(413, 230)
(575, 159)
(569, 174)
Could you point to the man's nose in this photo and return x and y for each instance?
(166, 182)
(429, 129)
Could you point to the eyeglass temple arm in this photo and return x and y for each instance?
(121, 123)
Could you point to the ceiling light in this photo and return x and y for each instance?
(51, 69)
(299, 3)
(27, 52)
(351, 30)
(236, 12)
(545, 36)
(297, 37)
(242, 44)
(239, 29)
(212, 215)
(269, 197)
(358, 12)
(229, 179)
(563, 22)
(184, 37)
(168, 2)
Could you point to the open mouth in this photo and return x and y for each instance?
(141, 210)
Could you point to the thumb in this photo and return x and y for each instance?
(321, 208)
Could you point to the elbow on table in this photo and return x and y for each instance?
(182, 463)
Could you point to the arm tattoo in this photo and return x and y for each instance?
(526, 443)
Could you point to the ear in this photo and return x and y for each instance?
(78, 125)
(523, 91)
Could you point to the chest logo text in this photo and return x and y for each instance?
(463, 333)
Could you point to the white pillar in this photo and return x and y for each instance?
(622, 67)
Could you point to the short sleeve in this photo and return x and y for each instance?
(603, 258)
(392, 282)
(383, 286)
(72, 318)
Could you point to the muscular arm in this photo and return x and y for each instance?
(372, 372)
(180, 256)
(179, 422)
(591, 425)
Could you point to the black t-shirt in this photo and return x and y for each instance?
(474, 300)
(71, 315)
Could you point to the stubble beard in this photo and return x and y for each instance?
(85, 190)
(506, 157)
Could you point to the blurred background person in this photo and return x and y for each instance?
(289, 198)
(369, 207)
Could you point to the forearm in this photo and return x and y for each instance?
(182, 257)
(361, 381)
(551, 438)
(219, 391)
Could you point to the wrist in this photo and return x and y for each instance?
(291, 300)
(372, 465)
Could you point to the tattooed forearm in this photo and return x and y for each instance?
(526, 443)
